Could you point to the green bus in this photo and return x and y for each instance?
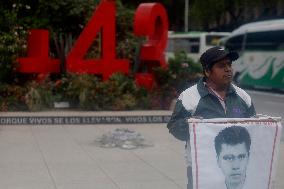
(261, 48)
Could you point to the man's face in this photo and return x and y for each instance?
(233, 160)
(221, 73)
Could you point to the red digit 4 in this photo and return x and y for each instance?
(38, 60)
(103, 20)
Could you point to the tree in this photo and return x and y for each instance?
(226, 15)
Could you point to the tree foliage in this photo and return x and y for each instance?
(229, 14)
(64, 20)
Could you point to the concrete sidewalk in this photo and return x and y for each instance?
(68, 157)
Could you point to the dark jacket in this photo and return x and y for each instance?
(199, 102)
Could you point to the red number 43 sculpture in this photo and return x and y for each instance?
(150, 21)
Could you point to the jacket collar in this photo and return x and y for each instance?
(203, 90)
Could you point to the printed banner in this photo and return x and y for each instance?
(234, 153)
(81, 120)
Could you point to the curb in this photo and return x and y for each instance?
(84, 118)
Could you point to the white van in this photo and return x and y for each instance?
(194, 43)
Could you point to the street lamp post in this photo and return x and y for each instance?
(186, 16)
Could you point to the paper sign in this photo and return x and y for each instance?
(234, 153)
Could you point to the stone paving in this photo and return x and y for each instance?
(70, 157)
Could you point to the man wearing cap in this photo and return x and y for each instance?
(214, 96)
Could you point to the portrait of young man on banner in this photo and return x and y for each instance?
(234, 155)
(232, 146)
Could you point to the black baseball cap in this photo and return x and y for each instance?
(214, 54)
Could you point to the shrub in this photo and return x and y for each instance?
(182, 72)
(88, 92)
(12, 98)
(39, 95)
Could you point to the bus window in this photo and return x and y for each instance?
(235, 43)
(193, 43)
(268, 41)
(213, 40)
(190, 45)
(170, 45)
(181, 44)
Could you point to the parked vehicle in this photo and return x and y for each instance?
(193, 43)
(261, 48)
